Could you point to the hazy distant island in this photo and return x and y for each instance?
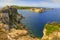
(32, 9)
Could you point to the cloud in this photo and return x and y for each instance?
(56, 1)
(48, 4)
(51, 3)
(6, 2)
(9, 0)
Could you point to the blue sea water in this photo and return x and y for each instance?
(35, 21)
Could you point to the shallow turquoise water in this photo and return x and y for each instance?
(35, 21)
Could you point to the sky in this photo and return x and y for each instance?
(32, 3)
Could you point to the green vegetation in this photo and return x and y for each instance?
(26, 7)
(22, 7)
(51, 27)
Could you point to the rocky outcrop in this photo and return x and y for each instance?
(40, 10)
(3, 31)
(54, 33)
(10, 16)
(14, 29)
(20, 35)
(14, 34)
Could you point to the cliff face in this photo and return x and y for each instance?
(3, 31)
(11, 14)
(18, 30)
(20, 35)
(51, 31)
(14, 34)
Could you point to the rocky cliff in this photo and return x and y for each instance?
(51, 31)
(14, 29)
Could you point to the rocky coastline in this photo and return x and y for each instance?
(54, 33)
(12, 29)
(40, 10)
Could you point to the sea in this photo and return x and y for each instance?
(35, 22)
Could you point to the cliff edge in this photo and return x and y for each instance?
(51, 31)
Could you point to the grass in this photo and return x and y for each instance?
(51, 27)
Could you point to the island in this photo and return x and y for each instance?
(32, 9)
